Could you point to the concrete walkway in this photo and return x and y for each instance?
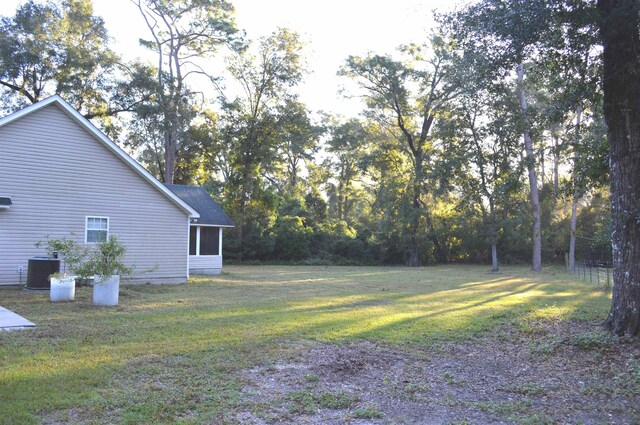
(10, 321)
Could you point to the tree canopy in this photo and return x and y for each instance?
(47, 48)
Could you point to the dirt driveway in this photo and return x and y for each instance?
(546, 373)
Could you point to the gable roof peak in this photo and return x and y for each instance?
(102, 138)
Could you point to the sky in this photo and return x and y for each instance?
(331, 30)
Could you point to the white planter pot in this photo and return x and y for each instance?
(62, 289)
(105, 292)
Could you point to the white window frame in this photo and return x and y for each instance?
(198, 227)
(86, 227)
(198, 241)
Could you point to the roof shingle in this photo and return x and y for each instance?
(199, 199)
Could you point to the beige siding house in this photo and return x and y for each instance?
(59, 175)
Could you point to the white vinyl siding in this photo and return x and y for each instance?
(96, 229)
(205, 264)
(57, 174)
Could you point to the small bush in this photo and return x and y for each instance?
(369, 411)
(302, 403)
(544, 347)
(311, 377)
(593, 340)
(340, 400)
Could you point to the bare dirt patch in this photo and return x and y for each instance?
(533, 373)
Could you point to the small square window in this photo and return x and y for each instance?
(97, 229)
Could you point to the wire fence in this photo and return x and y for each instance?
(599, 273)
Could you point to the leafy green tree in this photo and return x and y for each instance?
(347, 145)
(509, 32)
(146, 130)
(385, 220)
(199, 161)
(298, 140)
(571, 69)
(406, 98)
(182, 32)
(48, 48)
(481, 132)
(266, 74)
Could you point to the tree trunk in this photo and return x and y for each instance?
(414, 253)
(619, 29)
(556, 164)
(240, 225)
(576, 194)
(440, 254)
(494, 256)
(493, 236)
(414, 248)
(543, 174)
(572, 240)
(170, 138)
(536, 263)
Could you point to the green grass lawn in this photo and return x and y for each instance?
(172, 353)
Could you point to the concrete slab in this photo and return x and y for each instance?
(10, 321)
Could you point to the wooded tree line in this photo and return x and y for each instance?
(485, 143)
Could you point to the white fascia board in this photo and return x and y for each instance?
(119, 152)
(211, 225)
(188, 245)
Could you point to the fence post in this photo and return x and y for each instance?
(590, 277)
(598, 274)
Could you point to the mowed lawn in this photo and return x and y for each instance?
(174, 353)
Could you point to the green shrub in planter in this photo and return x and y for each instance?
(105, 264)
(63, 285)
(106, 259)
(68, 250)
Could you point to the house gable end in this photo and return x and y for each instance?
(94, 133)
